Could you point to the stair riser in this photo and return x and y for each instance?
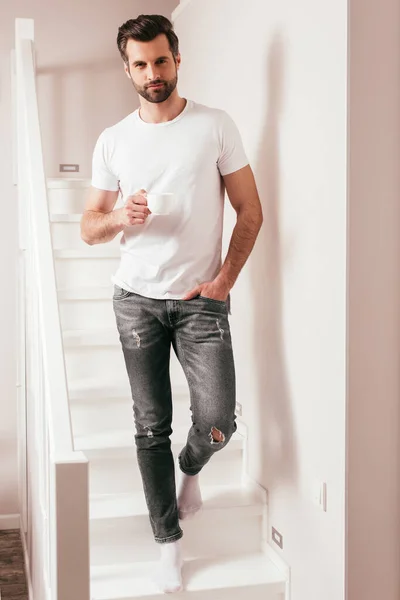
(258, 592)
(98, 362)
(92, 395)
(212, 532)
(66, 200)
(85, 272)
(90, 417)
(68, 236)
(121, 475)
(87, 314)
(106, 415)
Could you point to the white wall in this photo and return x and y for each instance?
(279, 69)
(82, 89)
(316, 310)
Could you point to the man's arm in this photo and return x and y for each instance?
(100, 223)
(243, 195)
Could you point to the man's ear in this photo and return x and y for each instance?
(127, 71)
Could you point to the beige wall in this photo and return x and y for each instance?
(373, 545)
(279, 68)
(82, 89)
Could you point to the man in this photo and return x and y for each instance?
(170, 287)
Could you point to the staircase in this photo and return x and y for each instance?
(224, 545)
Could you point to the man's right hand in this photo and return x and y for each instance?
(135, 211)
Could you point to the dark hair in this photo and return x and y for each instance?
(144, 29)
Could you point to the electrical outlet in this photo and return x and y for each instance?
(238, 409)
(69, 168)
(277, 537)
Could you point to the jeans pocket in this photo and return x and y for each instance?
(120, 293)
(223, 302)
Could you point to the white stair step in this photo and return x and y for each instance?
(66, 235)
(114, 506)
(66, 218)
(95, 416)
(94, 337)
(115, 470)
(88, 389)
(106, 363)
(104, 292)
(67, 183)
(86, 271)
(100, 416)
(86, 312)
(125, 439)
(97, 251)
(67, 195)
(242, 577)
(216, 532)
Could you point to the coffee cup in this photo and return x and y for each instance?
(161, 204)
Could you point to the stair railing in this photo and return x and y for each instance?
(57, 506)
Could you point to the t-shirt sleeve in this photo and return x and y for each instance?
(232, 154)
(102, 176)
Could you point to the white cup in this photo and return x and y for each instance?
(161, 204)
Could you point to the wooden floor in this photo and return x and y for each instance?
(12, 572)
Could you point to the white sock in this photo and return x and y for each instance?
(170, 567)
(189, 495)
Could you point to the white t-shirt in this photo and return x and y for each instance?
(169, 255)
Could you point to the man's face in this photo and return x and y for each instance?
(150, 63)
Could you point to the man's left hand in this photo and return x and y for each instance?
(215, 290)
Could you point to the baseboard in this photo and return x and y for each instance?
(26, 561)
(274, 557)
(241, 427)
(9, 522)
(268, 550)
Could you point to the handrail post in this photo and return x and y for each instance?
(70, 488)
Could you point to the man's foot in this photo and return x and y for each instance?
(189, 495)
(169, 576)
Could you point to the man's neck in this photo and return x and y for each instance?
(152, 112)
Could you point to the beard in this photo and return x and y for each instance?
(157, 95)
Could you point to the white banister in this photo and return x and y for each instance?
(58, 515)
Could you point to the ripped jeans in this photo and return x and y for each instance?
(199, 332)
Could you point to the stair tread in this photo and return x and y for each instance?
(66, 218)
(91, 252)
(66, 183)
(91, 337)
(211, 574)
(125, 439)
(89, 389)
(104, 292)
(106, 506)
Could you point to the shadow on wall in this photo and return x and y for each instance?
(278, 445)
(76, 102)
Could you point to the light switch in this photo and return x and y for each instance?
(319, 495)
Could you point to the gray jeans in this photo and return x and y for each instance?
(199, 332)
